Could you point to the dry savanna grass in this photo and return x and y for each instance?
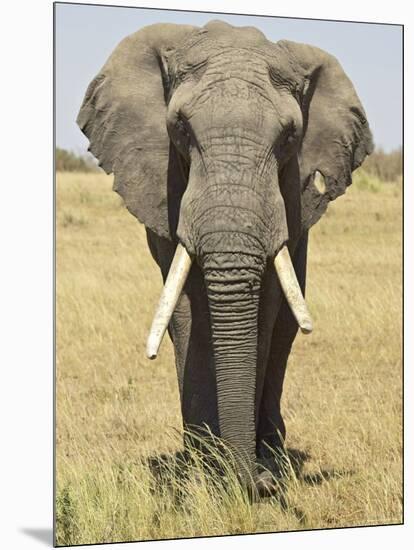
(115, 409)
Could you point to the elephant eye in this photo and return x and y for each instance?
(292, 128)
(180, 134)
(289, 134)
(286, 142)
(181, 126)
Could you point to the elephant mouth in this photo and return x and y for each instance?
(177, 276)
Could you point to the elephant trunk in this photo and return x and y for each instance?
(233, 284)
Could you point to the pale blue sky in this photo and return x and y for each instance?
(371, 55)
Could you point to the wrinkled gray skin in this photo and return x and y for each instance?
(214, 135)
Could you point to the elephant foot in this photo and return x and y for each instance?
(267, 485)
(271, 479)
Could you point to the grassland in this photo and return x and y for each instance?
(342, 400)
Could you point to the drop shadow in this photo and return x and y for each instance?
(165, 467)
(170, 472)
(43, 535)
(201, 449)
(173, 469)
(292, 460)
(297, 459)
(325, 475)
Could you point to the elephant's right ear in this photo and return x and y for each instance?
(124, 117)
(336, 135)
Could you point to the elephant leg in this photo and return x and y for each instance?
(271, 430)
(189, 331)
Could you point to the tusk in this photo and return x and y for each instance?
(291, 289)
(174, 283)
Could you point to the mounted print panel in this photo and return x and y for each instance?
(229, 274)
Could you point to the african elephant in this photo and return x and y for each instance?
(228, 148)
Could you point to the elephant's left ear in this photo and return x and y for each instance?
(124, 117)
(336, 135)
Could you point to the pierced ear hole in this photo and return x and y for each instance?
(319, 182)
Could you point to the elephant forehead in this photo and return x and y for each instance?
(225, 55)
(218, 37)
(224, 32)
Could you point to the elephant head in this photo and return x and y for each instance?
(232, 146)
